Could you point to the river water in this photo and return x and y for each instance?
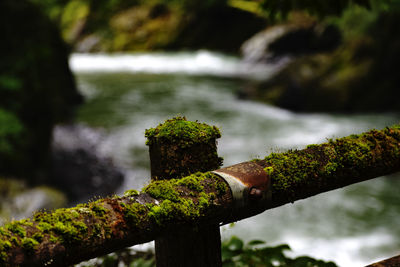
(128, 93)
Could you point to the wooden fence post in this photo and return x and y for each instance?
(179, 148)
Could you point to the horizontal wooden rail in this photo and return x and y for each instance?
(67, 236)
(392, 262)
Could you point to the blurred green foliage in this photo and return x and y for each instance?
(85, 17)
(192, 5)
(11, 132)
(255, 254)
(126, 257)
(279, 9)
(354, 21)
(384, 5)
(234, 252)
(142, 25)
(104, 8)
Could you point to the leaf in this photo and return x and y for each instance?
(255, 243)
(142, 263)
(227, 254)
(305, 261)
(235, 244)
(282, 247)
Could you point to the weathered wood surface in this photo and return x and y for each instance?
(67, 236)
(392, 262)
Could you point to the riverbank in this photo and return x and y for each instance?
(344, 64)
(104, 26)
(344, 55)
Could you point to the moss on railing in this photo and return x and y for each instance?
(106, 220)
(68, 236)
(354, 155)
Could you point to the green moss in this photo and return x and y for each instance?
(163, 190)
(16, 228)
(180, 148)
(221, 187)
(65, 225)
(3, 256)
(46, 221)
(394, 127)
(178, 203)
(68, 232)
(204, 200)
(96, 230)
(184, 133)
(4, 244)
(131, 193)
(312, 146)
(3, 232)
(164, 212)
(29, 244)
(38, 236)
(331, 167)
(134, 213)
(185, 209)
(192, 182)
(169, 189)
(82, 228)
(288, 169)
(54, 239)
(14, 240)
(212, 196)
(44, 227)
(269, 170)
(99, 210)
(318, 162)
(355, 149)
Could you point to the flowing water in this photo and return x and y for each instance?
(129, 93)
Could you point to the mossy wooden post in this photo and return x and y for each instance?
(178, 148)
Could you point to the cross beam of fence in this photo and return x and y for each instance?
(392, 262)
(68, 236)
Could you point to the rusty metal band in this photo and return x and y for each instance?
(243, 177)
(238, 189)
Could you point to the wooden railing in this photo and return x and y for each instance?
(185, 204)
